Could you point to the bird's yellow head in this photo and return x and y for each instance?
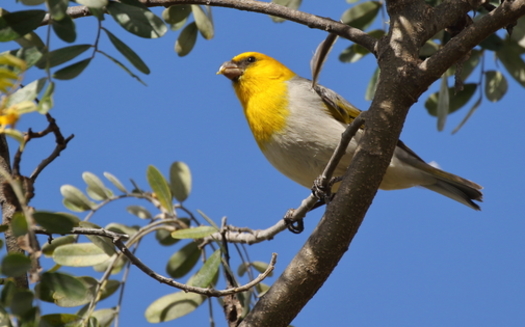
(254, 66)
(260, 84)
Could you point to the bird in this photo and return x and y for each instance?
(298, 125)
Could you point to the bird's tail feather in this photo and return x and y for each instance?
(455, 187)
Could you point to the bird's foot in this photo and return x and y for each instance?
(294, 226)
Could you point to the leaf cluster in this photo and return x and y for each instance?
(98, 251)
(488, 84)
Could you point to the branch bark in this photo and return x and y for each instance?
(7, 201)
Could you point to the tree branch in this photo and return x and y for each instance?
(8, 201)
(433, 67)
(312, 21)
(117, 238)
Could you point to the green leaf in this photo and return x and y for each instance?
(99, 4)
(186, 40)
(243, 268)
(208, 219)
(137, 20)
(63, 289)
(180, 180)
(182, 261)
(203, 21)
(176, 13)
(443, 104)
(164, 237)
(372, 85)
(179, 25)
(109, 288)
(72, 71)
(46, 101)
(194, 233)
(510, 57)
(96, 189)
(105, 316)
(353, 53)
(292, 4)
(57, 8)
(139, 211)
(104, 243)
(206, 274)
(493, 43)
(27, 93)
(127, 52)
(361, 16)
(17, 24)
(49, 248)
(60, 320)
(261, 267)
(468, 66)
(48, 292)
(79, 255)
(262, 288)
(116, 267)
(518, 33)
(495, 85)
(121, 65)
(56, 223)
(62, 55)
(15, 264)
(428, 49)
(115, 182)
(8, 291)
(65, 29)
(19, 225)
(29, 53)
(469, 114)
(22, 302)
(173, 306)
(76, 198)
(15, 134)
(99, 13)
(160, 187)
(456, 100)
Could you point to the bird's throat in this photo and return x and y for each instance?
(265, 106)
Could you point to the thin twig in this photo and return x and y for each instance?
(117, 238)
(87, 231)
(340, 150)
(61, 144)
(187, 288)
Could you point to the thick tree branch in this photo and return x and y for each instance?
(312, 21)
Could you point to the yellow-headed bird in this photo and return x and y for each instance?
(298, 126)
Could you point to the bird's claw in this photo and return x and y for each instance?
(294, 226)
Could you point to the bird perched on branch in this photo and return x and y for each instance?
(298, 126)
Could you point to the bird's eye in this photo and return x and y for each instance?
(251, 59)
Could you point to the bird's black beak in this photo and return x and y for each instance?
(231, 70)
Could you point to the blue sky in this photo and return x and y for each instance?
(419, 259)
